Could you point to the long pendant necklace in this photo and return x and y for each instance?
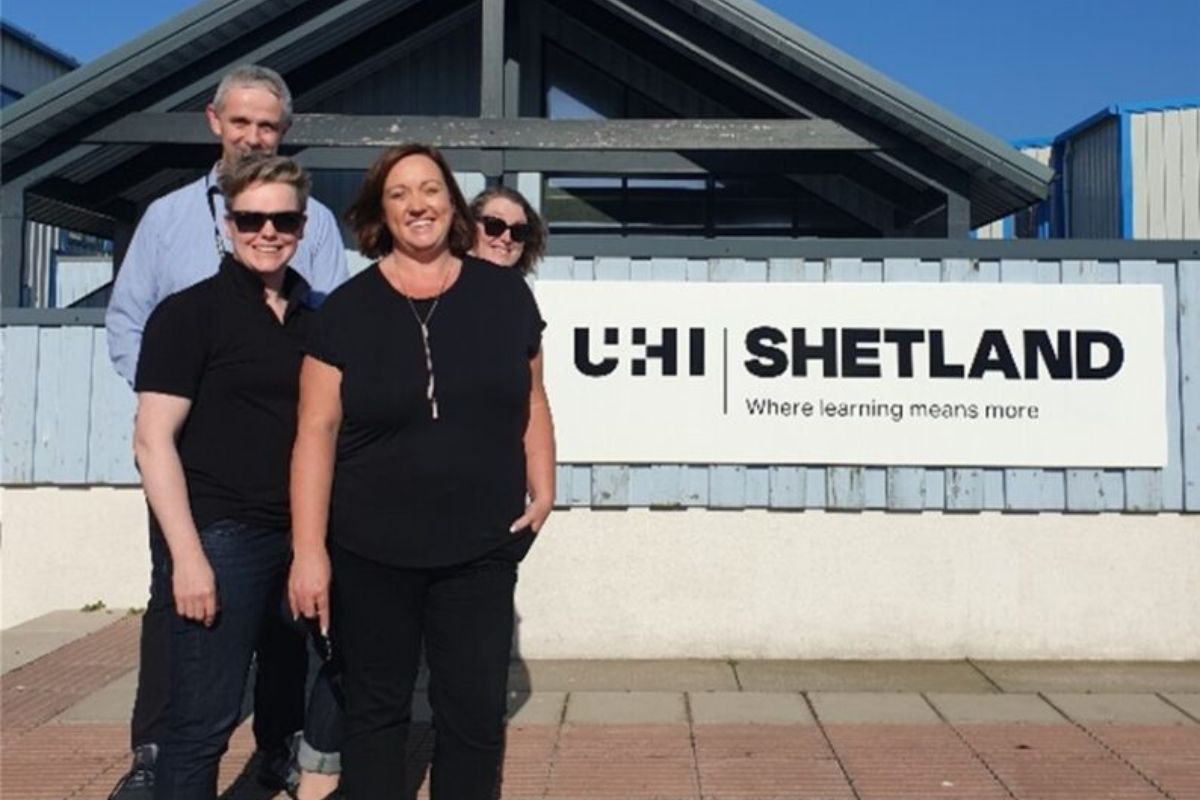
(423, 324)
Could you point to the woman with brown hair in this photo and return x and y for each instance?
(414, 435)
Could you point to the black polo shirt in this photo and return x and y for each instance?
(220, 346)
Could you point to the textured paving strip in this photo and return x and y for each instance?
(624, 761)
(31, 640)
(921, 762)
(778, 761)
(1169, 756)
(1055, 762)
(44, 688)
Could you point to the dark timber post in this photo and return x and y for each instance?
(492, 78)
(12, 243)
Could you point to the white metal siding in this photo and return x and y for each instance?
(1165, 153)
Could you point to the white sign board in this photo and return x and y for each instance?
(921, 374)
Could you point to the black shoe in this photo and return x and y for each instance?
(138, 783)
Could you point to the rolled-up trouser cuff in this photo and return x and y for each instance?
(313, 760)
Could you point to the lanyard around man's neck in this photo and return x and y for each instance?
(210, 191)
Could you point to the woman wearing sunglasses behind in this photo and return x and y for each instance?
(217, 386)
(508, 231)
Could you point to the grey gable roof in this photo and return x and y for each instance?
(1006, 177)
(173, 67)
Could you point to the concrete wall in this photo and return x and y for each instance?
(740, 584)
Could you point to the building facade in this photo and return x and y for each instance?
(704, 141)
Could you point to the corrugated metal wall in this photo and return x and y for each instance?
(1092, 182)
(68, 417)
(437, 77)
(41, 245)
(23, 68)
(1164, 155)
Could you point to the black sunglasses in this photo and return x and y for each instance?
(285, 222)
(494, 226)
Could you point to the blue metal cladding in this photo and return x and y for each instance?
(1126, 176)
(68, 417)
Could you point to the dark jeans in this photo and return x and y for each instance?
(278, 693)
(209, 665)
(464, 616)
(320, 747)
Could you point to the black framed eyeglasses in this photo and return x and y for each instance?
(494, 226)
(285, 222)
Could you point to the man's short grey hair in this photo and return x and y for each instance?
(256, 76)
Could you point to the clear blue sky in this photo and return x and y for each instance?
(1018, 69)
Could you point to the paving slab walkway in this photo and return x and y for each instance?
(689, 730)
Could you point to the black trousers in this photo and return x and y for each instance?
(279, 691)
(464, 616)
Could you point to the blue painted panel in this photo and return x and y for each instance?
(666, 486)
(697, 269)
(935, 488)
(18, 402)
(695, 486)
(669, 269)
(64, 394)
(580, 486)
(965, 489)
(641, 269)
(562, 485)
(1155, 490)
(726, 486)
(905, 490)
(640, 485)
(558, 268)
(993, 489)
(785, 270)
(612, 268)
(1085, 490)
(610, 486)
(1189, 358)
(965, 270)
(758, 486)
(855, 487)
(584, 269)
(1113, 483)
(845, 488)
(1028, 489)
(788, 485)
(875, 487)
(110, 430)
(815, 492)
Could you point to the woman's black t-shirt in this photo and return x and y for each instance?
(409, 490)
